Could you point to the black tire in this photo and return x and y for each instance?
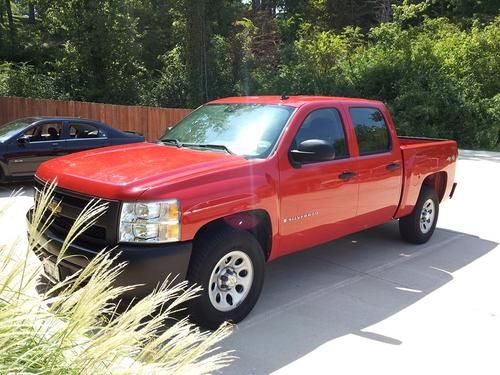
(208, 251)
(409, 226)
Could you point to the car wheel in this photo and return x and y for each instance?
(229, 266)
(419, 226)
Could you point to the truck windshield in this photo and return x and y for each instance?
(11, 128)
(249, 130)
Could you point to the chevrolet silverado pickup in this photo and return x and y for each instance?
(242, 181)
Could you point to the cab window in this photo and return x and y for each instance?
(324, 124)
(44, 132)
(371, 130)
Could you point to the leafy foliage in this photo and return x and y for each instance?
(435, 63)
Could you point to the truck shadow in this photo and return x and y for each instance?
(341, 288)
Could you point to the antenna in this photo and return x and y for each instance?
(284, 97)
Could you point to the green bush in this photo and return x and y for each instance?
(24, 80)
(170, 88)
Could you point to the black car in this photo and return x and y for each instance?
(26, 143)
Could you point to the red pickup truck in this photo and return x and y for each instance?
(242, 181)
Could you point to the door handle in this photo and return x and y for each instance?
(393, 166)
(347, 175)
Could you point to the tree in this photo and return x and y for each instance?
(31, 12)
(100, 57)
(196, 46)
(8, 7)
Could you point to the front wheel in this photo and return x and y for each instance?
(419, 226)
(229, 266)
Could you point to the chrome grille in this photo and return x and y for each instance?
(99, 235)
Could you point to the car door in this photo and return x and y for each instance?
(319, 199)
(379, 169)
(83, 136)
(39, 143)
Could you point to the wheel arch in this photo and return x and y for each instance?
(257, 222)
(438, 182)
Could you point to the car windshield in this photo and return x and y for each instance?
(12, 128)
(249, 130)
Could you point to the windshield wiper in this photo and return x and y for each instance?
(179, 144)
(207, 145)
(173, 141)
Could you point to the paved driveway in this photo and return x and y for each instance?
(370, 303)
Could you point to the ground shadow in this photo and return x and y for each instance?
(341, 288)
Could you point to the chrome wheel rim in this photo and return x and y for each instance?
(230, 281)
(427, 216)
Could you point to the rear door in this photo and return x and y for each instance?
(379, 168)
(318, 200)
(43, 143)
(81, 136)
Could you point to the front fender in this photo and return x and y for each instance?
(215, 195)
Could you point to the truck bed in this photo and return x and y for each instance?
(423, 157)
(419, 141)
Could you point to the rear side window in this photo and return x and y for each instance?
(79, 131)
(371, 130)
(325, 124)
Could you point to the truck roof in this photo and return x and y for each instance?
(294, 101)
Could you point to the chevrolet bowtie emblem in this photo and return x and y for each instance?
(55, 207)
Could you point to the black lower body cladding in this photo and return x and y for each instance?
(147, 264)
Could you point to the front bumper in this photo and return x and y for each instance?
(148, 264)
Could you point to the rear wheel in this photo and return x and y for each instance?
(229, 265)
(419, 226)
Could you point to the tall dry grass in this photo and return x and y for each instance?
(75, 327)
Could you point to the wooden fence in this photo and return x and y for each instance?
(150, 121)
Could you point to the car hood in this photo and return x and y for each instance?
(125, 172)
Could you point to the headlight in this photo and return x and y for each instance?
(150, 221)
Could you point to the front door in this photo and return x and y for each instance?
(42, 142)
(318, 200)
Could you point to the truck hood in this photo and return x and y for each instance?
(125, 172)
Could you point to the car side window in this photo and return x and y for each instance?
(325, 124)
(371, 130)
(44, 132)
(83, 131)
